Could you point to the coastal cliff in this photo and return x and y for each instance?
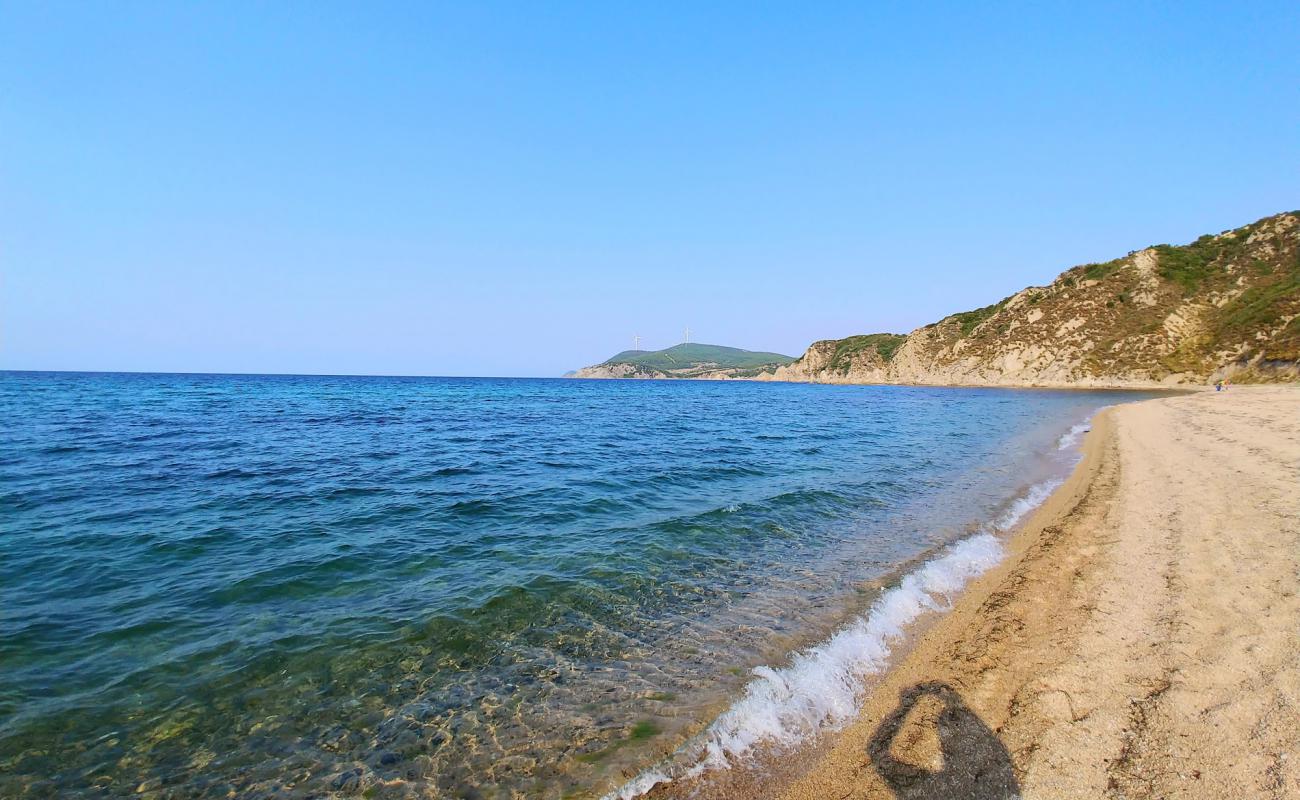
(1224, 306)
(690, 361)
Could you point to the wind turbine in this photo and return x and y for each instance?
(686, 335)
(636, 342)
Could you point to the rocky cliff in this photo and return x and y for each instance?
(688, 360)
(1224, 306)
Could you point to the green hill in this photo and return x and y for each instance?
(1226, 305)
(689, 360)
(682, 356)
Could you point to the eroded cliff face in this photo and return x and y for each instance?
(609, 371)
(697, 373)
(1225, 306)
(823, 362)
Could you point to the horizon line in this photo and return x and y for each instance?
(278, 374)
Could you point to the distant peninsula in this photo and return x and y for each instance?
(1226, 306)
(687, 360)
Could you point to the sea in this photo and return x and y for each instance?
(290, 587)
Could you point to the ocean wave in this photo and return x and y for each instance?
(823, 686)
(447, 472)
(1070, 438)
(1025, 503)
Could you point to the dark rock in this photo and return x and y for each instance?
(347, 782)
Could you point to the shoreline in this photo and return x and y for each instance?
(792, 705)
(1188, 387)
(1137, 641)
(1125, 645)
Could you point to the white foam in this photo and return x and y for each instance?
(1071, 438)
(822, 688)
(1028, 502)
(641, 784)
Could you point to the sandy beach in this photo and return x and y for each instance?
(1139, 641)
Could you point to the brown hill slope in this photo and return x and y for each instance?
(1226, 305)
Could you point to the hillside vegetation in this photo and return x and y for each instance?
(1225, 305)
(689, 360)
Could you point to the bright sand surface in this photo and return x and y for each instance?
(1142, 639)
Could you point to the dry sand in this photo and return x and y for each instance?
(1142, 639)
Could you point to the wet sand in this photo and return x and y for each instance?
(1141, 640)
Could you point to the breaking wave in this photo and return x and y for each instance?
(1070, 439)
(822, 688)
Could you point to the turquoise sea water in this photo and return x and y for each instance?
(264, 586)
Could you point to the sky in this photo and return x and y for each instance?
(518, 189)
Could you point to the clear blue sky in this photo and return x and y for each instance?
(492, 189)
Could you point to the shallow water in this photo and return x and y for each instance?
(283, 586)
